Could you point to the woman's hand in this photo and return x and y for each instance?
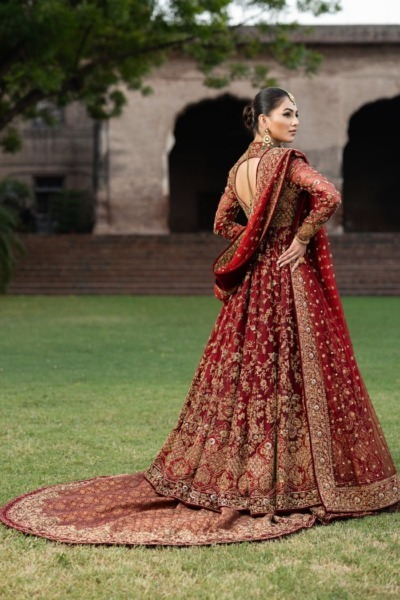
(294, 254)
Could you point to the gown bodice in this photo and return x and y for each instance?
(300, 176)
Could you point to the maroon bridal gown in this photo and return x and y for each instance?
(277, 432)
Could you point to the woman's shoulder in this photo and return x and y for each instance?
(297, 159)
(268, 155)
(295, 153)
(280, 151)
(280, 155)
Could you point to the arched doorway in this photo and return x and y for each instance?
(209, 138)
(371, 196)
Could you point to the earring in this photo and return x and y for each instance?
(267, 140)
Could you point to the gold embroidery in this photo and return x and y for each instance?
(125, 509)
(259, 432)
(354, 495)
(324, 196)
(230, 203)
(286, 208)
(228, 208)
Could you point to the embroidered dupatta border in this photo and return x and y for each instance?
(356, 497)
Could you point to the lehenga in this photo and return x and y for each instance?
(277, 432)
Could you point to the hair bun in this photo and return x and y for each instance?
(248, 116)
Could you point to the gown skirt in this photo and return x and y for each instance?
(277, 434)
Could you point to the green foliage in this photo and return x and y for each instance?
(10, 245)
(86, 49)
(11, 140)
(318, 7)
(72, 211)
(13, 193)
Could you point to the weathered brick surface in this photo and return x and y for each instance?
(130, 159)
(360, 65)
(181, 264)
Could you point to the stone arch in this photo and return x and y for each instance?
(371, 199)
(209, 138)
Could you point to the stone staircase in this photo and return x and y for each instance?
(365, 263)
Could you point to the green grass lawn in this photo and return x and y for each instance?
(92, 386)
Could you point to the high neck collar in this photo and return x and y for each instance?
(257, 145)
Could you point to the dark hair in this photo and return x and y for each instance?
(265, 101)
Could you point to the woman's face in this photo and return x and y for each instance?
(282, 122)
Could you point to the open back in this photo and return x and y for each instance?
(245, 182)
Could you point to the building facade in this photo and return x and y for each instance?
(162, 165)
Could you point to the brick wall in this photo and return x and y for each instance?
(366, 264)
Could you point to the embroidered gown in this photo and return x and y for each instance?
(277, 432)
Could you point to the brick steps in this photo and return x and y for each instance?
(366, 264)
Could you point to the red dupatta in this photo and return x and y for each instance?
(352, 462)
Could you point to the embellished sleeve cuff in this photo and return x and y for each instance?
(302, 239)
(305, 233)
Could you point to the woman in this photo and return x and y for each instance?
(277, 432)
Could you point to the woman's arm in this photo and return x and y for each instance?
(325, 197)
(228, 208)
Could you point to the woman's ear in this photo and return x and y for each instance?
(263, 122)
(261, 126)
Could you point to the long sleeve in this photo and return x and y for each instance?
(228, 208)
(325, 197)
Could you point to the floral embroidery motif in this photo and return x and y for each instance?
(125, 509)
(228, 209)
(352, 461)
(253, 365)
(325, 197)
(277, 431)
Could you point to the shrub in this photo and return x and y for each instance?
(10, 245)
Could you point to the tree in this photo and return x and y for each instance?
(66, 50)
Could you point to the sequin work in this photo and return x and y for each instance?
(277, 432)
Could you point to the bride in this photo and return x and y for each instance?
(277, 432)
